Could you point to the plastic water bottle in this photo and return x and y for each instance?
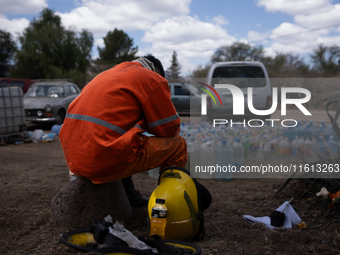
(328, 131)
(295, 149)
(260, 153)
(153, 173)
(284, 150)
(230, 140)
(307, 150)
(158, 218)
(207, 160)
(189, 142)
(315, 150)
(195, 155)
(223, 159)
(238, 154)
(322, 145)
(332, 147)
(267, 148)
(46, 138)
(273, 150)
(245, 143)
(253, 148)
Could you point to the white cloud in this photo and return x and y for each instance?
(183, 29)
(293, 34)
(294, 7)
(99, 42)
(105, 15)
(286, 29)
(254, 36)
(300, 38)
(291, 48)
(102, 16)
(269, 52)
(191, 38)
(320, 19)
(14, 26)
(220, 20)
(22, 6)
(328, 40)
(301, 46)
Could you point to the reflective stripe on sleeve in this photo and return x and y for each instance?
(138, 126)
(96, 121)
(163, 121)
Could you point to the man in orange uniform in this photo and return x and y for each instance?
(102, 135)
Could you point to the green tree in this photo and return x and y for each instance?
(49, 51)
(118, 48)
(326, 60)
(238, 51)
(201, 71)
(7, 49)
(172, 73)
(285, 65)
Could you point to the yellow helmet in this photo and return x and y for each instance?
(185, 200)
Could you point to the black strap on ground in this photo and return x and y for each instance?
(161, 246)
(102, 235)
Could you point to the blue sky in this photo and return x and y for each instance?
(192, 28)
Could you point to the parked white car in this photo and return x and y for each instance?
(242, 74)
(48, 101)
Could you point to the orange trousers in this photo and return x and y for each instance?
(159, 152)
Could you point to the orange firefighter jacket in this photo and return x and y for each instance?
(102, 130)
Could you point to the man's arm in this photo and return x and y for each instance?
(160, 113)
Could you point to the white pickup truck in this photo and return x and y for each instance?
(243, 75)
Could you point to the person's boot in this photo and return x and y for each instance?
(135, 198)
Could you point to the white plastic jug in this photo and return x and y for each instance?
(37, 134)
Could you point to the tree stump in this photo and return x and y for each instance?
(80, 202)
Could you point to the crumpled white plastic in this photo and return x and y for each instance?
(292, 218)
(119, 231)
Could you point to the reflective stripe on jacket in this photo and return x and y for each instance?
(102, 130)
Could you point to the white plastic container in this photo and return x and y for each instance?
(12, 113)
(37, 134)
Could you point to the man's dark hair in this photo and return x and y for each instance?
(158, 65)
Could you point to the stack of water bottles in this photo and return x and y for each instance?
(276, 145)
(224, 145)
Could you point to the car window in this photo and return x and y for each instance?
(55, 91)
(45, 91)
(67, 91)
(181, 91)
(73, 90)
(241, 76)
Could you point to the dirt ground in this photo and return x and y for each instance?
(31, 174)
